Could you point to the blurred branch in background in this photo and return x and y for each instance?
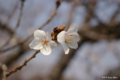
(18, 23)
(56, 73)
(70, 16)
(87, 33)
(49, 19)
(13, 11)
(5, 27)
(102, 31)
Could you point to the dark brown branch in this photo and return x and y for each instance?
(22, 65)
(4, 68)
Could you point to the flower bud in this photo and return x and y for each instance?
(55, 30)
(52, 34)
(62, 28)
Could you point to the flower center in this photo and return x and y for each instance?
(69, 38)
(44, 42)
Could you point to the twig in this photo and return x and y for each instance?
(4, 68)
(19, 18)
(22, 50)
(49, 19)
(18, 23)
(22, 65)
(3, 26)
(113, 20)
(13, 11)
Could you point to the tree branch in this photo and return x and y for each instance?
(22, 65)
(4, 68)
(3, 26)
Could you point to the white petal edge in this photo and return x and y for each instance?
(53, 44)
(73, 45)
(48, 36)
(46, 50)
(73, 28)
(35, 44)
(39, 34)
(66, 48)
(61, 37)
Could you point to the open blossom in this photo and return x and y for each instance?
(69, 38)
(42, 41)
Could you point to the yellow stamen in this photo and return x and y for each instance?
(70, 39)
(44, 42)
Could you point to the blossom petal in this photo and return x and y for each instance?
(39, 34)
(75, 36)
(35, 44)
(53, 44)
(46, 50)
(72, 45)
(66, 48)
(73, 28)
(61, 37)
(48, 36)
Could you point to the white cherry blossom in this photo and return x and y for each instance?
(42, 41)
(69, 39)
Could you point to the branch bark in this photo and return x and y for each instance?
(22, 65)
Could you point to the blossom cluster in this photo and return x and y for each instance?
(45, 42)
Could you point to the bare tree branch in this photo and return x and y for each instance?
(22, 65)
(4, 68)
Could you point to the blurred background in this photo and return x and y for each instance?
(98, 55)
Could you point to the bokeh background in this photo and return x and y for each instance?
(98, 54)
